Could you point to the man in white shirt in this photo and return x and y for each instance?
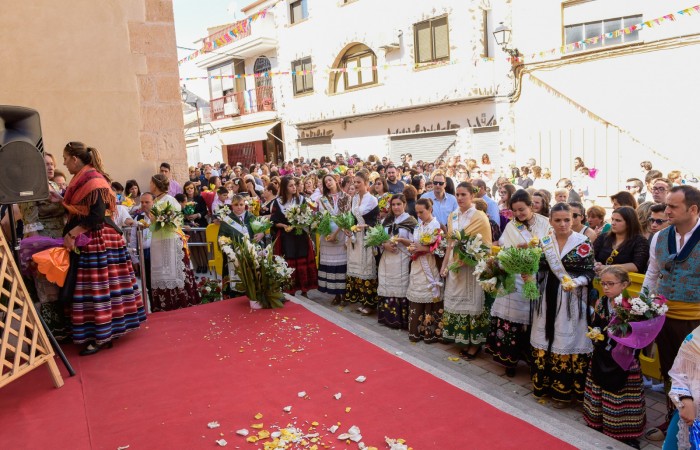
(142, 225)
(674, 272)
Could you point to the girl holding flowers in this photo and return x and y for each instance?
(295, 247)
(614, 399)
(195, 213)
(333, 258)
(509, 335)
(361, 281)
(424, 286)
(560, 348)
(466, 317)
(394, 266)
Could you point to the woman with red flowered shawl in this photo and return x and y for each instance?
(100, 287)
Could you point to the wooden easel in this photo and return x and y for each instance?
(24, 345)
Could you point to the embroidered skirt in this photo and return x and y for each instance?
(508, 342)
(305, 275)
(332, 267)
(425, 322)
(393, 312)
(620, 415)
(170, 299)
(105, 300)
(361, 291)
(561, 377)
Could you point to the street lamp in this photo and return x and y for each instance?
(184, 95)
(502, 34)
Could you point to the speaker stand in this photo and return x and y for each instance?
(14, 245)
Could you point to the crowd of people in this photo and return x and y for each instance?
(409, 282)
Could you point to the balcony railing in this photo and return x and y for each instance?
(242, 103)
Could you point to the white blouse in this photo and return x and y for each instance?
(368, 203)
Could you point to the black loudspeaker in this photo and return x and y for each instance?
(22, 167)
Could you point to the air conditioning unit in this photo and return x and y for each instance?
(231, 109)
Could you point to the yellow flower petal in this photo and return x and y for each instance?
(347, 410)
(258, 416)
(453, 358)
(252, 439)
(257, 426)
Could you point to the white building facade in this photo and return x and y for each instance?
(614, 101)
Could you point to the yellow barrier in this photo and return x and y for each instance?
(651, 366)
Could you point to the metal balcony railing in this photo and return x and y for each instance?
(242, 103)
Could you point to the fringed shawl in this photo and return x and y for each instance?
(83, 191)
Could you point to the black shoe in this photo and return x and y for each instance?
(510, 372)
(93, 348)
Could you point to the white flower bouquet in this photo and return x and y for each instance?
(165, 218)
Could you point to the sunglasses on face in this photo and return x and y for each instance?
(658, 189)
(658, 221)
(438, 183)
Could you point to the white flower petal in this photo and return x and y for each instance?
(242, 432)
(222, 442)
(213, 424)
(361, 379)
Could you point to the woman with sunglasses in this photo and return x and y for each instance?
(578, 213)
(624, 245)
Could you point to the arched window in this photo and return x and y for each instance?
(360, 64)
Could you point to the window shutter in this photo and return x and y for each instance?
(309, 77)
(367, 71)
(441, 38)
(423, 42)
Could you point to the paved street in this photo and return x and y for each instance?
(482, 378)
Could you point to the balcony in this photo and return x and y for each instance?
(248, 40)
(243, 103)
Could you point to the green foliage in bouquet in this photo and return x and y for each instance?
(468, 250)
(376, 236)
(524, 262)
(262, 275)
(345, 221)
(165, 218)
(189, 208)
(324, 226)
(260, 225)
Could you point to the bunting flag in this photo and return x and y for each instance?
(613, 34)
(229, 34)
(327, 71)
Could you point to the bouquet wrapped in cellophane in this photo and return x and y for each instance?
(524, 262)
(260, 224)
(468, 250)
(491, 276)
(376, 236)
(189, 208)
(165, 218)
(302, 218)
(222, 212)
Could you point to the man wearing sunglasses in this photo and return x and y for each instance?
(634, 186)
(658, 220)
(443, 203)
(674, 272)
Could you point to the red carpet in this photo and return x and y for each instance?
(159, 387)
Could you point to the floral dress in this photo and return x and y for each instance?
(425, 292)
(361, 280)
(394, 269)
(560, 349)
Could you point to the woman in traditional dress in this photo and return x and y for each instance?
(198, 219)
(685, 392)
(560, 348)
(100, 286)
(333, 258)
(295, 248)
(614, 399)
(47, 218)
(509, 335)
(466, 318)
(361, 280)
(424, 287)
(172, 279)
(393, 308)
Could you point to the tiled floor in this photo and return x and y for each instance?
(486, 369)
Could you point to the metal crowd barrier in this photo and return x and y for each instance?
(141, 258)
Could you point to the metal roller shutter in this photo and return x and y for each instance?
(315, 148)
(423, 147)
(487, 140)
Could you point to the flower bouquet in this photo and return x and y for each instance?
(252, 204)
(128, 201)
(165, 218)
(260, 225)
(262, 276)
(47, 256)
(635, 324)
(209, 290)
(524, 262)
(384, 204)
(345, 221)
(302, 218)
(492, 278)
(189, 208)
(325, 225)
(468, 250)
(376, 236)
